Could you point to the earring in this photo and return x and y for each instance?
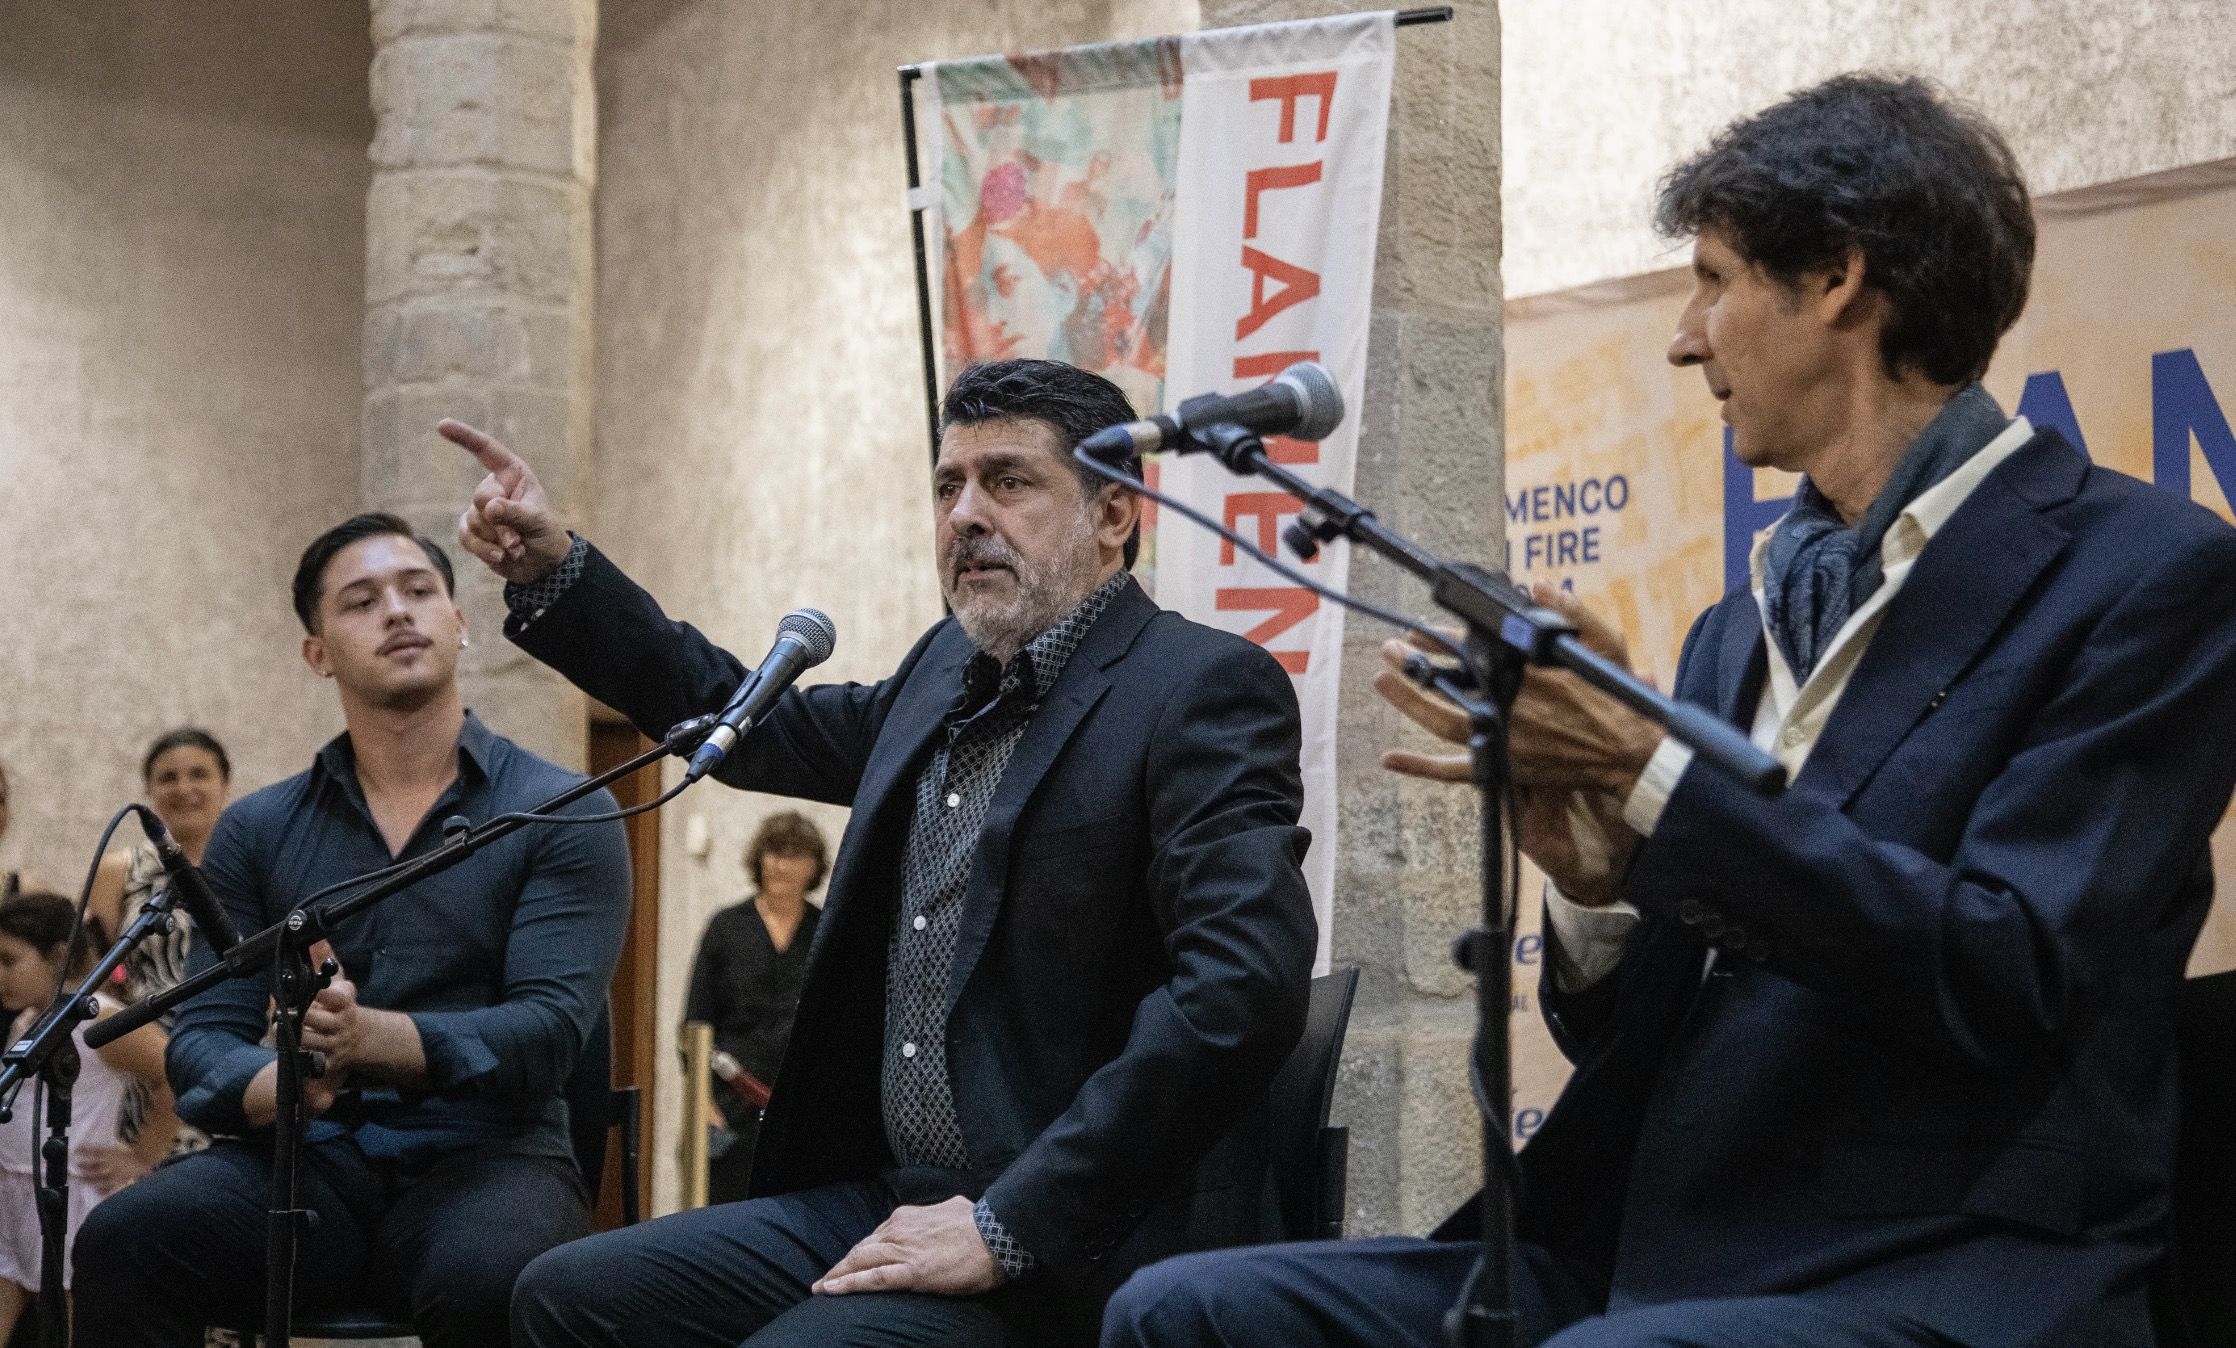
(463, 643)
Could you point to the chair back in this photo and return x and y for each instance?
(589, 1109)
(2193, 1295)
(1308, 1156)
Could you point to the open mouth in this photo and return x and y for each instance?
(979, 570)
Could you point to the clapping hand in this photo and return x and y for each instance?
(1574, 755)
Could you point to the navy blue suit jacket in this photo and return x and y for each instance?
(1933, 1068)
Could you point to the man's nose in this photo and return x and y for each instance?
(1690, 344)
(968, 513)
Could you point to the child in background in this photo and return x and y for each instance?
(35, 948)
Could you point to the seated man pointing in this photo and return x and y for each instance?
(1067, 942)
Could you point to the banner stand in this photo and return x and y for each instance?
(1405, 18)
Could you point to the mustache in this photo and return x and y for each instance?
(967, 553)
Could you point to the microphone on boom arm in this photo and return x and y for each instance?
(1301, 402)
(804, 639)
(186, 880)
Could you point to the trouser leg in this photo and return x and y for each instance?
(1799, 1321)
(883, 1320)
(710, 1278)
(455, 1240)
(1390, 1292)
(184, 1248)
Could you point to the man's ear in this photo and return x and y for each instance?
(314, 655)
(1116, 513)
(1837, 290)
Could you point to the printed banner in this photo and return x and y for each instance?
(1186, 215)
(1621, 485)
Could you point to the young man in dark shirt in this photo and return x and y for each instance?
(437, 1162)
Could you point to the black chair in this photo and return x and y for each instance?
(2193, 1293)
(1309, 1157)
(595, 1108)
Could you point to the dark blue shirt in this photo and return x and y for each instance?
(502, 962)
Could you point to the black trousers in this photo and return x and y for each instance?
(735, 1274)
(1393, 1293)
(184, 1248)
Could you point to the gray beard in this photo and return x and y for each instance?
(1044, 595)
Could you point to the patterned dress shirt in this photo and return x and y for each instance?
(953, 794)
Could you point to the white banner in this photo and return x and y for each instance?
(1282, 130)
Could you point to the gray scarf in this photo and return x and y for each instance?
(1817, 570)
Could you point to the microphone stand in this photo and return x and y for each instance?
(50, 1052)
(1506, 634)
(285, 947)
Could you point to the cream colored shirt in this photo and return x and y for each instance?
(1789, 716)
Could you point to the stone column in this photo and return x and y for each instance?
(1431, 464)
(478, 291)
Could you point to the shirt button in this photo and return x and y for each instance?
(908, 1050)
(954, 798)
(1794, 735)
(919, 923)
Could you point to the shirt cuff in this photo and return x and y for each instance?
(457, 1058)
(1015, 1259)
(527, 602)
(213, 1102)
(1589, 941)
(1642, 811)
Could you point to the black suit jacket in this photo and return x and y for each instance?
(1137, 939)
(1933, 1069)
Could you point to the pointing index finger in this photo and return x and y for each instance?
(482, 445)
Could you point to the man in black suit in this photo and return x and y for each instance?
(1885, 1060)
(1067, 943)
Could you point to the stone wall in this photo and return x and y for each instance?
(478, 292)
(181, 275)
(760, 419)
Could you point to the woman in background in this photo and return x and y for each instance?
(746, 982)
(188, 779)
(36, 948)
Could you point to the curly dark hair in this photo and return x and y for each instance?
(788, 833)
(1924, 185)
(1074, 401)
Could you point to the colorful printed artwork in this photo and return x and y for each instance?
(1057, 175)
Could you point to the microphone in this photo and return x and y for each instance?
(749, 1087)
(209, 915)
(1302, 402)
(804, 639)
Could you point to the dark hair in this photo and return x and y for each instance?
(310, 572)
(45, 921)
(1924, 185)
(788, 833)
(186, 737)
(1075, 402)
